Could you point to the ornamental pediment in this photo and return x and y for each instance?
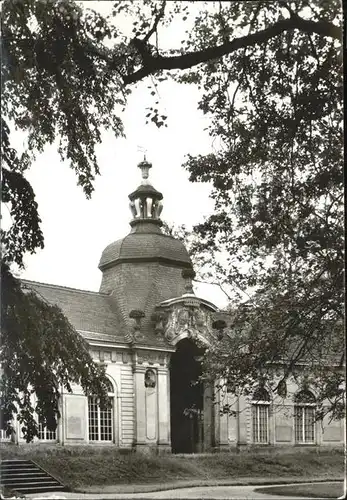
(185, 317)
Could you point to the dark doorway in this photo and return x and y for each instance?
(187, 398)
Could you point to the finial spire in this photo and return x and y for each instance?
(144, 166)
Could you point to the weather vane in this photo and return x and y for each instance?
(142, 150)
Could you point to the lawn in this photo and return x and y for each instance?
(326, 490)
(82, 466)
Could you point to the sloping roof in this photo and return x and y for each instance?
(142, 246)
(96, 316)
(99, 337)
(87, 311)
(145, 189)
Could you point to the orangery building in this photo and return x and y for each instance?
(147, 326)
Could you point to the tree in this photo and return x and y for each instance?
(41, 353)
(270, 77)
(276, 111)
(50, 90)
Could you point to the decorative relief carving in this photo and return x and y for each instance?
(134, 334)
(107, 356)
(162, 359)
(126, 357)
(194, 321)
(103, 355)
(140, 358)
(150, 379)
(150, 357)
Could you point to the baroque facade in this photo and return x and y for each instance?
(147, 327)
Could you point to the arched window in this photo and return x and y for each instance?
(100, 421)
(304, 417)
(260, 415)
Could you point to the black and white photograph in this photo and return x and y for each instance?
(172, 250)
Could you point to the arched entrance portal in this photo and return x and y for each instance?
(187, 399)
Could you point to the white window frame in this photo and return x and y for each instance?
(303, 424)
(106, 415)
(257, 406)
(46, 435)
(3, 437)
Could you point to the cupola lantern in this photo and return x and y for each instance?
(145, 201)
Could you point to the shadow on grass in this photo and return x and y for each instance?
(313, 490)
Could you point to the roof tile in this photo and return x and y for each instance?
(86, 311)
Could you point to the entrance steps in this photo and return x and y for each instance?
(24, 476)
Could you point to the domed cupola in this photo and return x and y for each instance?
(144, 268)
(146, 242)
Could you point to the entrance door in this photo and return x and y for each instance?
(187, 399)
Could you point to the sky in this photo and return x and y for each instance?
(76, 230)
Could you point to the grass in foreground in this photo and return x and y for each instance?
(84, 466)
(326, 490)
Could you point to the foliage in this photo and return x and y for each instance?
(276, 112)
(41, 354)
(276, 234)
(270, 78)
(53, 90)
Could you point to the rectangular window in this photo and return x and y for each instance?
(299, 419)
(260, 418)
(3, 436)
(304, 420)
(100, 421)
(93, 419)
(45, 434)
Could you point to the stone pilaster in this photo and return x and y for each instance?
(209, 419)
(221, 421)
(242, 422)
(140, 405)
(164, 444)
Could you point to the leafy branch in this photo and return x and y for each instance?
(154, 63)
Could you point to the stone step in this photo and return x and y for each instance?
(14, 460)
(24, 470)
(39, 489)
(46, 482)
(14, 463)
(24, 476)
(24, 479)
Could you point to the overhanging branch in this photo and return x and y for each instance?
(152, 64)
